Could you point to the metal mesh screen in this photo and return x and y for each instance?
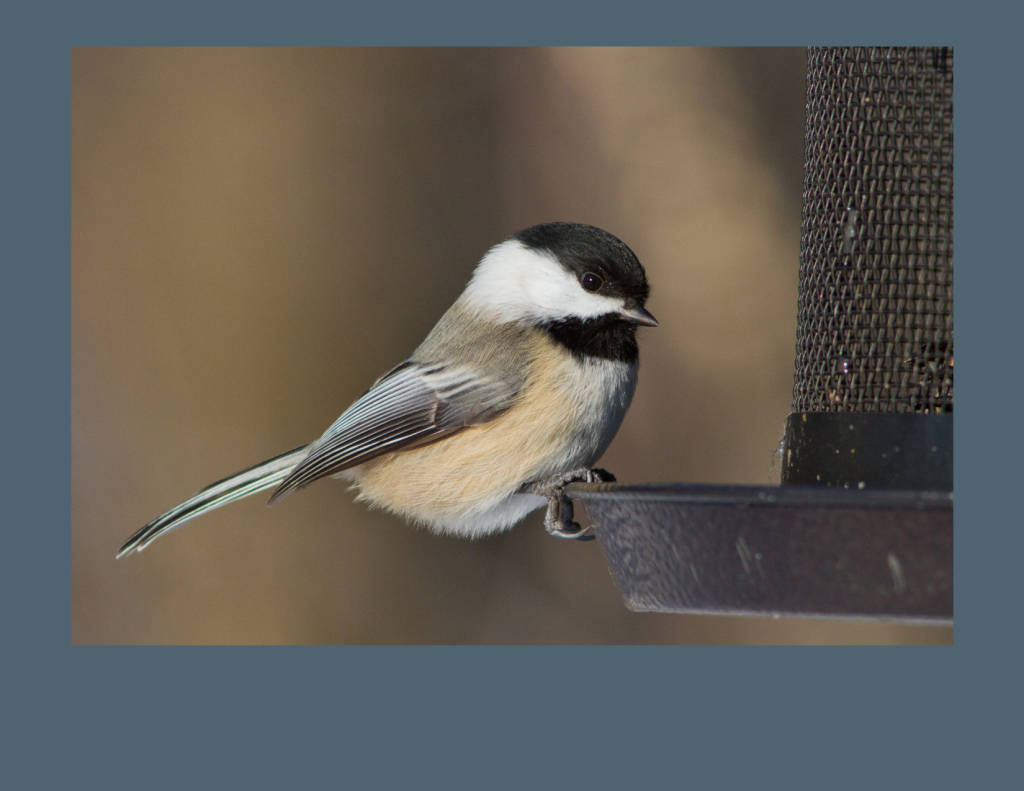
(875, 316)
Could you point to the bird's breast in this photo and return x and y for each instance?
(564, 419)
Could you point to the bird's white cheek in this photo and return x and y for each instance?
(515, 283)
(559, 296)
(580, 304)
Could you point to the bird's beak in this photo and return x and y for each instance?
(638, 316)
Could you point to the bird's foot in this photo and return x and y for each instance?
(558, 520)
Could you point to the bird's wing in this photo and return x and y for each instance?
(412, 404)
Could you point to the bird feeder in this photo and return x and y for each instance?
(862, 523)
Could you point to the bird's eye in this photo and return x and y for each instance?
(591, 282)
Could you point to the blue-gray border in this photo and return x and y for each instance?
(485, 716)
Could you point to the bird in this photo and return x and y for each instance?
(514, 394)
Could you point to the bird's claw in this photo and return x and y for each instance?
(558, 520)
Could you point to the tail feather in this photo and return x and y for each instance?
(265, 475)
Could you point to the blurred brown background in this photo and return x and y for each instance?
(257, 234)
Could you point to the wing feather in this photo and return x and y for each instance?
(411, 404)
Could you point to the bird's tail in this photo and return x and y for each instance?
(265, 475)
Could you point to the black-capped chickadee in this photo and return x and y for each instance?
(515, 393)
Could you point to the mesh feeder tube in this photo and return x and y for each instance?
(873, 389)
